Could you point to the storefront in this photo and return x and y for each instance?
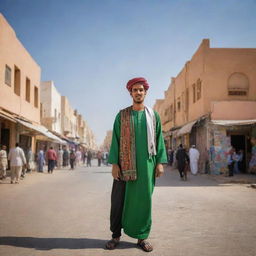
(225, 134)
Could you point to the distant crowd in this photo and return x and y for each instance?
(48, 160)
(187, 160)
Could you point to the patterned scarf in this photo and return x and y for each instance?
(127, 142)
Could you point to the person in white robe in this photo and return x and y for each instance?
(194, 157)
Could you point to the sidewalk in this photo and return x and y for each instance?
(249, 179)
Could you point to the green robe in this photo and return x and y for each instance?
(136, 219)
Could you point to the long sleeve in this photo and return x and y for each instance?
(160, 146)
(114, 149)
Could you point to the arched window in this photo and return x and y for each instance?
(238, 84)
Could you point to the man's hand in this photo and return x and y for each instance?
(159, 170)
(116, 172)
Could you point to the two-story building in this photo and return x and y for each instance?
(212, 103)
(19, 90)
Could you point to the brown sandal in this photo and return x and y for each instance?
(112, 244)
(145, 245)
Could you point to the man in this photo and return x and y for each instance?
(182, 161)
(137, 153)
(30, 160)
(99, 157)
(40, 160)
(17, 159)
(89, 158)
(60, 158)
(193, 158)
(65, 157)
(52, 157)
(3, 162)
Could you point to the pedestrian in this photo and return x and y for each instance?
(40, 160)
(65, 157)
(231, 161)
(89, 158)
(99, 157)
(30, 160)
(193, 159)
(52, 158)
(252, 163)
(182, 161)
(137, 153)
(84, 155)
(60, 158)
(17, 160)
(72, 158)
(78, 157)
(170, 156)
(3, 162)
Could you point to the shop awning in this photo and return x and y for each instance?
(186, 128)
(39, 129)
(233, 122)
(7, 116)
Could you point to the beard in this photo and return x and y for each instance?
(138, 101)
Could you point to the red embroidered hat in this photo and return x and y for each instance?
(136, 80)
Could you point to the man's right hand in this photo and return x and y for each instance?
(116, 172)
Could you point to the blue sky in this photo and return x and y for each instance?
(90, 49)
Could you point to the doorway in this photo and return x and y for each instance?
(239, 142)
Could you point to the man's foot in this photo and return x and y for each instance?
(145, 245)
(112, 244)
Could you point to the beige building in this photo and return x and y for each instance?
(74, 126)
(107, 141)
(19, 89)
(212, 103)
(68, 119)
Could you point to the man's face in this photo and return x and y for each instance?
(138, 93)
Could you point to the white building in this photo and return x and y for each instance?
(51, 106)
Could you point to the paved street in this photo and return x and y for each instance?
(67, 214)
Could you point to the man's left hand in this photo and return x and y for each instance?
(159, 170)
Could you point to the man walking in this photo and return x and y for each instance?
(193, 158)
(182, 161)
(137, 153)
(89, 158)
(52, 157)
(3, 162)
(17, 159)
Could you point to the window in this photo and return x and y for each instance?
(8, 75)
(194, 92)
(36, 97)
(198, 89)
(171, 113)
(178, 104)
(187, 100)
(238, 84)
(237, 93)
(16, 81)
(27, 90)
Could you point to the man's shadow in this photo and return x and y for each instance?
(58, 243)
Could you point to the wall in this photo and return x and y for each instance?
(13, 53)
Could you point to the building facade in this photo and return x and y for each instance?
(19, 89)
(212, 103)
(50, 100)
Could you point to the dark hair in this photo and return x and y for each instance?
(51, 147)
(17, 144)
(181, 146)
